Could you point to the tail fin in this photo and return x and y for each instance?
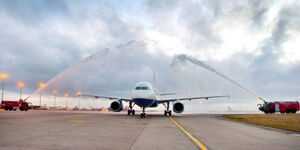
(154, 78)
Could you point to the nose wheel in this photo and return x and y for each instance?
(131, 112)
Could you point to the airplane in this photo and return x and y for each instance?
(144, 94)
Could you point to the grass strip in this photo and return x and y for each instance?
(290, 122)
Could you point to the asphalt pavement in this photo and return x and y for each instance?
(49, 130)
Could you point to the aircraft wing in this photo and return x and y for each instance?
(164, 94)
(107, 97)
(191, 98)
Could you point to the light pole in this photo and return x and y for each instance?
(3, 76)
(79, 99)
(66, 96)
(54, 98)
(21, 85)
(41, 85)
(90, 103)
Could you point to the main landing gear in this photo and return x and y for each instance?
(130, 111)
(143, 114)
(168, 112)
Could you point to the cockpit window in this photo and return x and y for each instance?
(141, 88)
(145, 88)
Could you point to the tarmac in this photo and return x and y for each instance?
(47, 130)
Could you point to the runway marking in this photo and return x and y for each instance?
(197, 142)
(78, 121)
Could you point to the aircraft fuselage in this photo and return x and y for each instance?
(144, 95)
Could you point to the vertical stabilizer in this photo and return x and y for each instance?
(154, 78)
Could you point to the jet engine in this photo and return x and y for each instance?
(178, 107)
(116, 106)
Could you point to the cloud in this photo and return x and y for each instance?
(40, 39)
(32, 12)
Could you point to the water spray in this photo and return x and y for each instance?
(69, 70)
(195, 61)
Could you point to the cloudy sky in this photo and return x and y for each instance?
(105, 47)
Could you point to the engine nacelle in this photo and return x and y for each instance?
(116, 106)
(178, 107)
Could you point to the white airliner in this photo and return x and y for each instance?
(145, 95)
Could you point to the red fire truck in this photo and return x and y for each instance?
(14, 105)
(277, 106)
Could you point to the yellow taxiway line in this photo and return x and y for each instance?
(78, 121)
(197, 142)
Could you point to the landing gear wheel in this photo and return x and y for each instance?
(143, 115)
(128, 112)
(168, 113)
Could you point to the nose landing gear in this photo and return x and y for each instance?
(130, 112)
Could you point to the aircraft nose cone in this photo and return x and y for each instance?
(140, 94)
